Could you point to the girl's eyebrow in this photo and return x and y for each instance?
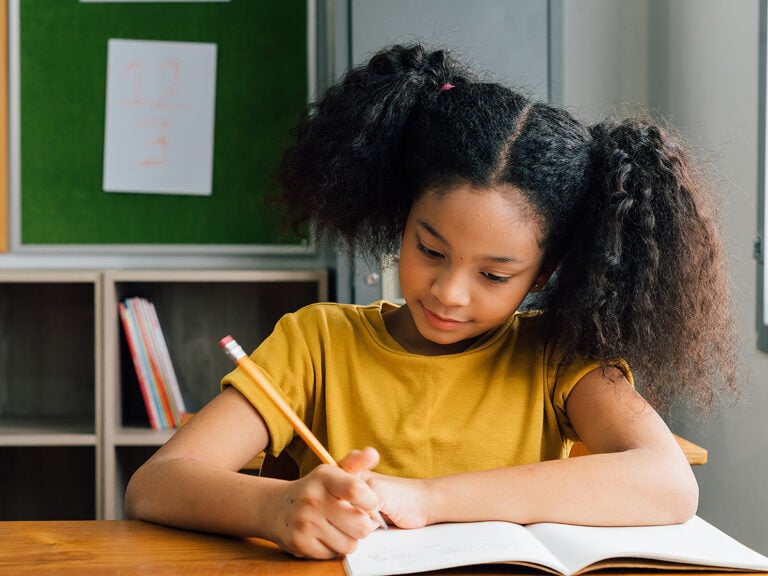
(428, 227)
(496, 259)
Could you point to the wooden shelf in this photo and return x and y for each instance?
(69, 396)
(141, 436)
(50, 364)
(196, 309)
(47, 432)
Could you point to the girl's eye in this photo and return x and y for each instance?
(494, 278)
(427, 252)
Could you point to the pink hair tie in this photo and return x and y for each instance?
(445, 86)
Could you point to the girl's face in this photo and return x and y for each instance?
(469, 257)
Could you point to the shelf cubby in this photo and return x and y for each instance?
(50, 361)
(196, 309)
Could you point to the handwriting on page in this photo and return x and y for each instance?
(160, 109)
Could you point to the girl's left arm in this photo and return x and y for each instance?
(636, 475)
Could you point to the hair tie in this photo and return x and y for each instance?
(446, 86)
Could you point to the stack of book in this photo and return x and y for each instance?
(149, 352)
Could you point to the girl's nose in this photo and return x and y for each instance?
(451, 289)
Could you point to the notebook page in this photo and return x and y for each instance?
(439, 546)
(695, 542)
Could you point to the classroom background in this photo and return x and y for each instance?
(698, 63)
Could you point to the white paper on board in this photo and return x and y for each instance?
(160, 110)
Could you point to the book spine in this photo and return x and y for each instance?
(169, 401)
(134, 348)
(146, 363)
(159, 388)
(166, 364)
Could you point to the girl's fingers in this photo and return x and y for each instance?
(328, 543)
(354, 488)
(336, 534)
(360, 460)
(346, 528)
(328, 513)
(350, 488)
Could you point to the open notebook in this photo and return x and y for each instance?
(557, 548)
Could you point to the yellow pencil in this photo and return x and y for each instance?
(238, 355)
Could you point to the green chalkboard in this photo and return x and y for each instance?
(261, 87)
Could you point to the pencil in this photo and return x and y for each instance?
(238, 355)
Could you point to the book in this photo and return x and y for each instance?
(166, 365)
(155, 347)
(140, 365)
(561, 549)
(149, 351)
(151, 366)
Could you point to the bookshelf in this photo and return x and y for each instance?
(73, 426)
(50, 359)
(196, 309)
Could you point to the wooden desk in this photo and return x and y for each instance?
(86, 548)
(136, 547)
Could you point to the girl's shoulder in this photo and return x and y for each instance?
(338, 310)
(337, 322)
(336, 316)
(528, 322)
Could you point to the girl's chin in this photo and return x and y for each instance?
(449, 342)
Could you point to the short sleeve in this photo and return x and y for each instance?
(284, 359)
(563, 379)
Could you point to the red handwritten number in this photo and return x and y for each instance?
(170, 80)
(133, 71)
(171, 72)
(161, 141)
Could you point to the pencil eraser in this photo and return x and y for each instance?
(226, 340)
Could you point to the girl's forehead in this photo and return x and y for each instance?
(505, 201)
(497, 215)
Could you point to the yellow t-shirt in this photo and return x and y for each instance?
(499, 403)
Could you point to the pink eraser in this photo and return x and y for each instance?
(226, 340)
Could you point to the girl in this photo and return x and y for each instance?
(463, 407)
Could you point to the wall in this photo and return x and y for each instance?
(599, 55)
(694, 62)
(708, 84)
(505, 38)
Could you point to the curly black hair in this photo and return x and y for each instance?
(624, 211)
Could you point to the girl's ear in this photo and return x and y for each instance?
(547, 269)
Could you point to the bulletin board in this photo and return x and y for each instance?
(261, 86)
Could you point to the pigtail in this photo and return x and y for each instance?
(646, 279)
(342, 174)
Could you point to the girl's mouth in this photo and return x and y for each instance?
(440, 322)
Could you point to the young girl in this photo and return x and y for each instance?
(456, 406)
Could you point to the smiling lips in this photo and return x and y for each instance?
(439, 322)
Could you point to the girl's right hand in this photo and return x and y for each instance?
(325, 513)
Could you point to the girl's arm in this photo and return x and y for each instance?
(636, 475)
(192, 482)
